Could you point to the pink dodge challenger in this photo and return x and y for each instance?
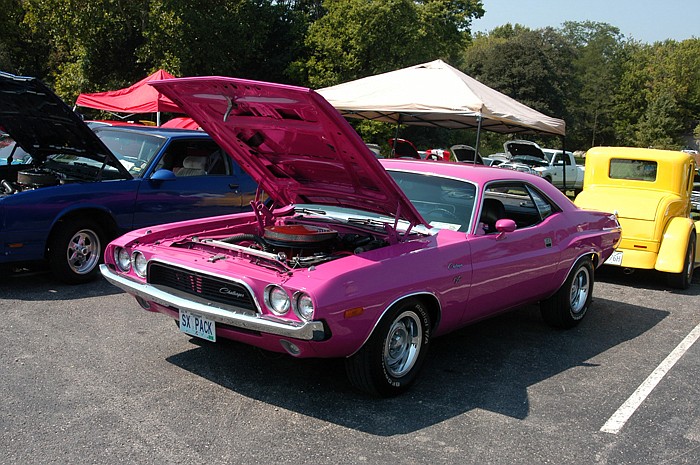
(351, 257)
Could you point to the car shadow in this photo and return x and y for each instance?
(42, 285)
(645, 279)
(489, 365)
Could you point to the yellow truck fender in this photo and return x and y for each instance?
(674, 244)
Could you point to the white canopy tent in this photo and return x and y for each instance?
(436, 94)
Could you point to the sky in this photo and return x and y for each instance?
(643, 20)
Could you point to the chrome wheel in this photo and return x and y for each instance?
(580, 288)
(403, 344)
(83, 251)
(569, 305)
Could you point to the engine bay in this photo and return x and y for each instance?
(291, 245)
(22, 178)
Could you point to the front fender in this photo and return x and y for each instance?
(674, 244)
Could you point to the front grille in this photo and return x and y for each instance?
(200, 285)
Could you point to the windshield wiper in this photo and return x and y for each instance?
(312, 211)
(368, 222)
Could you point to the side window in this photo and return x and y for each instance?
(558, 158)
(195, 158)
(516, 201)
(543, 205)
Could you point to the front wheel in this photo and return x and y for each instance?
(683, 279)
(390, 360)
(569, 305)
(75, 250)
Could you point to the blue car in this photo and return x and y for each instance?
(83, 187)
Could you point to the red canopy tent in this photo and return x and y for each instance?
(182, 123)
(137, 98)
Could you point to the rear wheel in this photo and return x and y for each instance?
(683, 279)
(390, 360)
(75, 250)
(569, 305)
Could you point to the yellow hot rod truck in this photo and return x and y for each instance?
(650, 191)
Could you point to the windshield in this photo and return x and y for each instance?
(444, 203)
(134, 150)
(7, 145)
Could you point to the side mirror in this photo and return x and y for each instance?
(163, 175)
(505, 226)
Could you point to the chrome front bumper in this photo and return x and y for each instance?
(308, 331)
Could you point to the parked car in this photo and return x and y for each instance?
(467, 154)
(651, 193)
(496, 159)
(355, 257)
(528, 156)
(402, 148)
(437, 154)
(83, 188)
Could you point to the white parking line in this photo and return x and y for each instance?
(619, 418)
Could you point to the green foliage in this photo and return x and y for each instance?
(658, 99)
(358, 38)
(597, 68)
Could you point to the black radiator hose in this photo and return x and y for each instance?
(247, 237)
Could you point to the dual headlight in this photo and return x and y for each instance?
(125, 262)
(279, 302)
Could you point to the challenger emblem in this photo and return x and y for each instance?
(231, 292)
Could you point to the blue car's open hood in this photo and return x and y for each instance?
(42, 124)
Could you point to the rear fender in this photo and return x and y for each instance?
(674, 244)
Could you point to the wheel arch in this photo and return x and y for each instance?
(103, 218)
(432, 305)
(563, 274)
(674, 244)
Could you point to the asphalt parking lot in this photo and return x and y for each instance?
(88, 377)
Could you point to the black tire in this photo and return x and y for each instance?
(390, 360)
(75, 250)
(683, 279)
(569, 305)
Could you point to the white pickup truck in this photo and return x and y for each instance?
(546, 163)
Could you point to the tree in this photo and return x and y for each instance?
(597, 68)
(530, 66)
(242, 38)
(658, 99)
(358, 38)
(92, 45)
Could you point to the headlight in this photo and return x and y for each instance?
(138, 261)
(277, 299)
(304, 306)
(121, 257)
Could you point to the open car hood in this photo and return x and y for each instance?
(292, 142)
(42, 124)
(521, 148)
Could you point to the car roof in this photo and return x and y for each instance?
(155, 130)
(478, 174)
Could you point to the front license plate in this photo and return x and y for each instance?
(614, 259)
(197, 325)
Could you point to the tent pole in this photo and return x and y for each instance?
(563, 161)
(478, 136)
(396, 136)
(158, 118)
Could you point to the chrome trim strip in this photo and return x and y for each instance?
(308, 331)
(240, 248)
